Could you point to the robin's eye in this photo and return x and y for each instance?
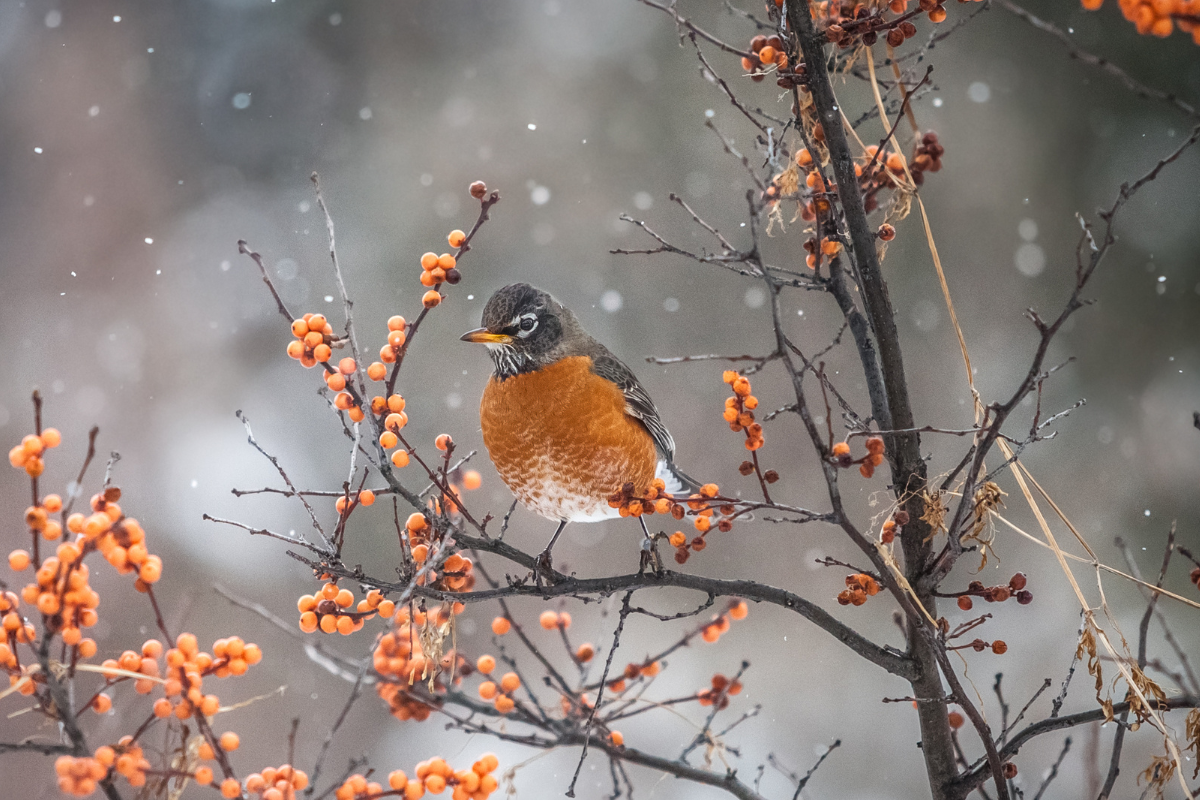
(528, 324)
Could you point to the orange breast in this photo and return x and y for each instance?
(561, 440)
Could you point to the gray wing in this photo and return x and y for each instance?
(637, 401)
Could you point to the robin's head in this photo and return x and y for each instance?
(526, 329)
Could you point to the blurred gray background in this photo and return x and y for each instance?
(142, 140)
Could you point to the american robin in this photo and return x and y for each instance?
(566, 422)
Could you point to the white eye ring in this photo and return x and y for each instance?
(528, 325)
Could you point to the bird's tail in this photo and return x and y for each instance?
(677, 481)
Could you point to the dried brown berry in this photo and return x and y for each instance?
(453, 276)
(1010, 770)
(964, 602)
(770, 476)
(478, 190)
(1024, 597)
(1000, 648)
(1017, 582)
(746, 468)
(901, 517)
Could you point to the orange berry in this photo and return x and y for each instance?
(767, 55)
(500, 626)
(101, 703)
(510, 682)
(395, 421)
(366, 497)
(739, 610)
(400, 458)
(18, 560)
(229, 741)
(347, 366)
(443, 442)
(377, 371)
(322, 353)
(329, 623)
(841, 449)
(420, 552)
(230, 788)
(955, 719)
(586, 652)
(317, 322)
(388, 440)
(203, 775)
(396, 323)
(395, 404)
(472, 480)
(504, 704)
(429, 261)
(487, 690)
(387, 355)
(299, 328)
(456, 238)
(344, 598)
(548, 620)
(446, 261)
(939, 14)
(51, 437)
(485, 664)
(308, 621)
(397, 780)
(431, 299)
(678, 538)
(615, 737)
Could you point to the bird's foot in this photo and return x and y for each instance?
(543, 569)
(650, 557)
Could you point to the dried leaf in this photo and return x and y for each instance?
(1193, 737)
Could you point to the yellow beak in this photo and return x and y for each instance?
(483, 336)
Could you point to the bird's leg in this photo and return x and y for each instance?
(544, 562)
(649, 556)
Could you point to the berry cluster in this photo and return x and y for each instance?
(500, 692)
(998, 647)
(186, 668)
(766, 53)
(273, 783)
(895, 524)
(28, 454)
(739, 409)
(327, 610)
(458, 571)
(1014, 589)
(314, 340)
(63, 598)
(738, 610)
(433, 776)
(78, 776)
(412, 652)
(1158, 17)
(438, 269)
(885, 171)
(859, 587)
(849, 24)
(720, 692)
(655, 500)
(867, 464)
